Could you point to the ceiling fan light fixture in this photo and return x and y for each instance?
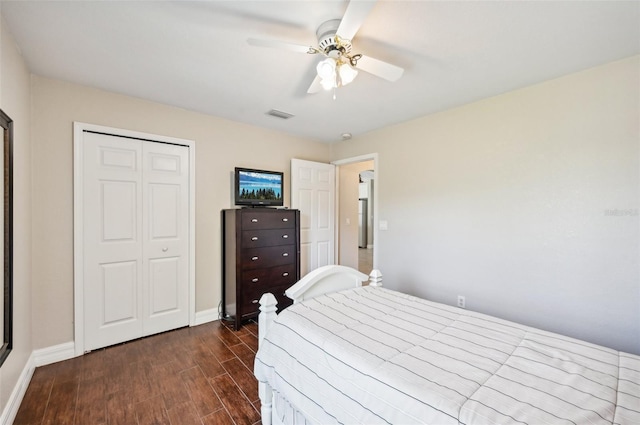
(347, 73)
(328, 83)
(326, 69)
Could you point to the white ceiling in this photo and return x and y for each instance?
(194, 54)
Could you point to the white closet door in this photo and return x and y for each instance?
(313, 192)
(112, 239)
(136, 218)
(166, 237)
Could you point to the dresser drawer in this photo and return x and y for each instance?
(272, 276)
(283, 300)
(254, 258)
(272, 220)
(271, 237)
(251, 299)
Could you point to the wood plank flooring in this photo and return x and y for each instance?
(191, 376)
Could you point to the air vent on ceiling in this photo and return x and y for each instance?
(279, 114)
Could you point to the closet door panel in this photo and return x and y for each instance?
(165, 285)
(112, 240)
(166, 237)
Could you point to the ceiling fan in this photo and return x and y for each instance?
(340, 66)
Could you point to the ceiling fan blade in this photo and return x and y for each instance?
(353, 18)
(281, 45)
(379, 68)
(315, 86)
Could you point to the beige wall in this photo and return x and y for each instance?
(525, 203)
(220, 146)
(15, 102)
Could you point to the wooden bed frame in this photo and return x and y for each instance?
(320, 281)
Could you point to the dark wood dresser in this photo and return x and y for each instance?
(260, 253)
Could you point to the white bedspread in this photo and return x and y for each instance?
(372, 355)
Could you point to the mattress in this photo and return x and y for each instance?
(374, 356)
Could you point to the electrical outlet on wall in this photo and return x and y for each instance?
(461, 301)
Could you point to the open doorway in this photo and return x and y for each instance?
(365, 219)
(356, 213)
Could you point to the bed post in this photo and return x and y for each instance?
(266, 317)
(375, 278)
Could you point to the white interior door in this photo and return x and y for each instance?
(165, 235)
(313, 191)
(112, 239)
(135, 238)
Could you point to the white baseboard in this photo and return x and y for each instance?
(13, 404)
(41, 357)
(55, 353)
(206, 316)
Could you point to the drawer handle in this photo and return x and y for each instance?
(255, 238)
(254, 220)
(254, 258)
(285, 274)
(254, 302)
(286, 254)
(285, 236)
(254, 280)
(285, 219)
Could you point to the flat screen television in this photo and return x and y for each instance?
(258, 188)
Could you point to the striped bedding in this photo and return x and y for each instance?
(375, 356)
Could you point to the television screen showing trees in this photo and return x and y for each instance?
(259, 186)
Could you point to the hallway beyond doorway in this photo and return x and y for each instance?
(365, 260)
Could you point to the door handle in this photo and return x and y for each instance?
(165, 249)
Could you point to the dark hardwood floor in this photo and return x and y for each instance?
(201, 375)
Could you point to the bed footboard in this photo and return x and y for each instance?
(320, 281)
(268, 307)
